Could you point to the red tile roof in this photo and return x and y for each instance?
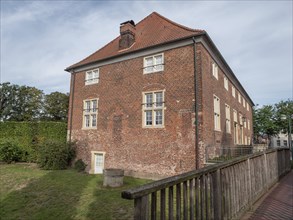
(152, 30)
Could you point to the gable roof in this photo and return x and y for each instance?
(152, 30)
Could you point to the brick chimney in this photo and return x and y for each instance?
(127, 34)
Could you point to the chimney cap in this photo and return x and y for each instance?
(126, 22)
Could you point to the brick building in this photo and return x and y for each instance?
(153, 99)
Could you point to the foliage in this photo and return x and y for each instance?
(79, 165)
(56, 106)
(29, 135)
(284, 112)
(25, 103)
(55, 155)
(268, 119)
(28, 192)
(264, 121)
(10, 151)
(20, 103)
(7, 94)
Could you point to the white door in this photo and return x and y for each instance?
(99, 163)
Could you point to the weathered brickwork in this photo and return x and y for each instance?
(154, 151)
(212, 86)
(119, 133)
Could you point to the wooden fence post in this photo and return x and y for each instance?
(141, 208)
(249, 182)
(266, 172)
(217, 194)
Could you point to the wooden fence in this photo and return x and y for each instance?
(220, 191)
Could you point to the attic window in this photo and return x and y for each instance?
(92, 77)
(153, 63)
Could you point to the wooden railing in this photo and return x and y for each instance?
(221, 191)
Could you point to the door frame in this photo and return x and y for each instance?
(93, 160)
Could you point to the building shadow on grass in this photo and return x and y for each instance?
(52, 196)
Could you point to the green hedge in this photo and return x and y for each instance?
(30, 135)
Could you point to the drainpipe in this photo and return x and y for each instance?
(196, 108)
(71, 107)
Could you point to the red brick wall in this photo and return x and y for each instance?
(211, 86)
(154, 151)
(119, 133)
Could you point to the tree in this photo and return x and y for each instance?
(56, 106)
(268, 119)
(284, 108)
(265, 121)
(20, 103)
(7, 94)
(28, 104)
(24, 103)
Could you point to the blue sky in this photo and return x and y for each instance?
(39, 39)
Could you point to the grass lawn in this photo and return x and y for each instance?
(26, 192)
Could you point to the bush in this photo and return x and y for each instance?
(79, 165)
(54, 155)
(10, 151)
(28, 136)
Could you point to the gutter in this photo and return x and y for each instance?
(196, 108)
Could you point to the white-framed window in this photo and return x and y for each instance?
(153, 109)
(278, 143)
(247, 106)
(239, 97)
(243, 99)
(92, 77)
(226, 86)
(217, 119)
(241, 129)
(248, 124)
(90, 113)
(235, 116)
(215, 70)
(248, 141)
(235, 120)
(240, 119)
(233, 92)
(153, 63)
(228, 118)
(285, 142)
(245, 140)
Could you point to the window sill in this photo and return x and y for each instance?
(91, 128)
(159, 71)
(145, 126)
(88, 84)
(218, 130)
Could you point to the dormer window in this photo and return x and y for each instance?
(92, 77)
(153, 64)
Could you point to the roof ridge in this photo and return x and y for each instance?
(175, 23)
